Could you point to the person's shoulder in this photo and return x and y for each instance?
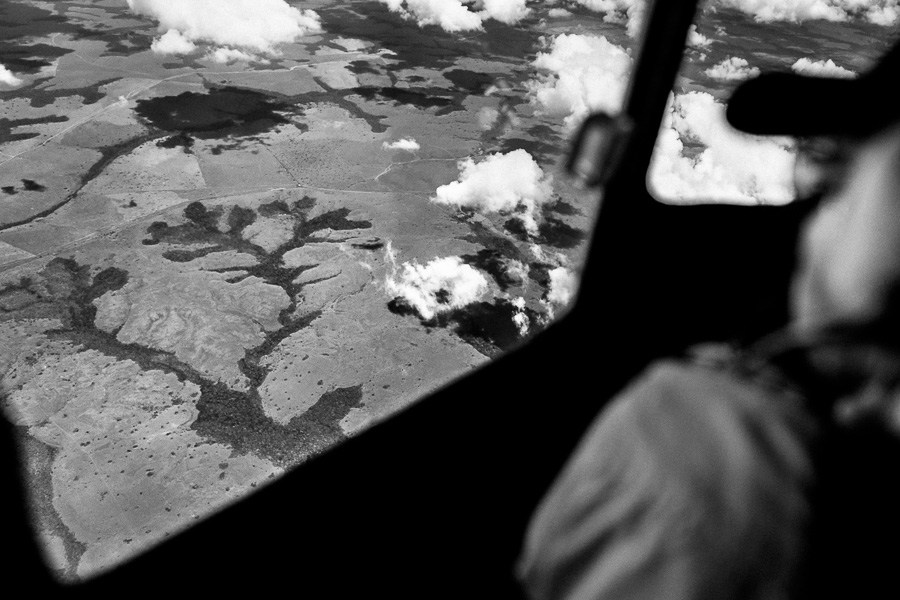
(711, 377)
(681, 407)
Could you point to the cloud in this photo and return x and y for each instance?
(487, 117)
(511, 182)
(558, 13)
(173, 42)
(440, 285)
(506, 11)
(630, 12)
(880, 12)
(697, 39)
(227, 55)
(563, 286)
(520, 318)
(517, 271)
(821, 68)
(7, 77)
(408, 144)
(256, 25)
(453, 15)
(732, 69)
(584, 73)
(698, 156)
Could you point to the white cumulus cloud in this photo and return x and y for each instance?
(256, 25)
(227, 55)
(630, 12)
(697, 39)
(821, 68)
(7, 77)
(408, 144)
(563, 286)
(505, 11)
(881, 12)
(440, 285)
(173, 42)
(520, 317)
(731, 69)
(699, 156)
(511, 182)
(454, 15)
(584, 73)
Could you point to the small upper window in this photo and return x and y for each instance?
(699, 157)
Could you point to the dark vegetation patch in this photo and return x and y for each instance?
(90, 94)
(107, 155)
(223, 112)
(18, 137)
(237, 419)
(65, 289)
(413, 46)
(8, 125)
(489, 328)
(119, 42)
(559, 234)
(418, 97)
(198, 214)
(517, 228)
(540, 273)
(334, 219)
(183, 256)
(551, 232)
(369, 244)
(240, 218)
(492, 262)
(27, 60)
(19, 20)
(561, 207)
(30, 185)
(517, 43)
(17, 296)
(470, 81)
(37, 464)
(490, 240)
(429, 46)
(538, 148)
(278, 207)
(361, 67)
(111, 153)
(339, 98)
(9, 189)
(182, 140)
(399, 306)
(202, 227)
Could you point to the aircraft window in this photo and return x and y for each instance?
(226, 245)
(699, 158)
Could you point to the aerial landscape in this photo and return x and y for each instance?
(234, 233)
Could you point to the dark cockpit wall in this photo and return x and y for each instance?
(433, 502)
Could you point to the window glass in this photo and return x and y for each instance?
(234, 233)
(699, 157)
